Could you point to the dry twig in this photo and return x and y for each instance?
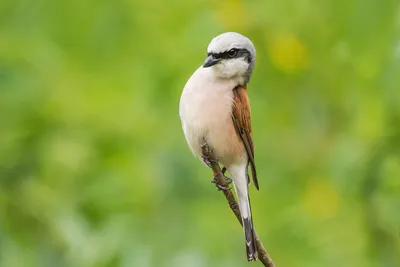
(220, 179)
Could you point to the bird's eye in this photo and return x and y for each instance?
(232, 53)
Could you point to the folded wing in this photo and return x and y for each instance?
(242, 121)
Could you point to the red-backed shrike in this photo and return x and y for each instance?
(214, 109)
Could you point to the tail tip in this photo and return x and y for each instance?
(251, 249)
(252, 257)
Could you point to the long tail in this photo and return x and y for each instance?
(245, 209)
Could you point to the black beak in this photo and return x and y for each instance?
(210, 61)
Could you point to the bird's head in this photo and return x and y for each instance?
(231, 55)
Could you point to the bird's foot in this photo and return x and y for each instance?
(225, 187)
(207, 155)
(209, 162)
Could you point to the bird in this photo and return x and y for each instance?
(214, 109)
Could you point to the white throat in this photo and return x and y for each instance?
(236, 69)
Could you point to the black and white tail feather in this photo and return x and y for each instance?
(247, 220)
(249, 234)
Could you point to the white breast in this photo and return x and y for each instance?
(205, 111)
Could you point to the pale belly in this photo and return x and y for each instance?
(208, 120)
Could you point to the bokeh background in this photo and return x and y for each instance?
(94, 168)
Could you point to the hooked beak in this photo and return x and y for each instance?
(210, 61)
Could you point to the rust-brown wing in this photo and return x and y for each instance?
(242, 121)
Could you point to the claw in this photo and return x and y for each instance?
(228, 180)
(222, 187)
(208, 162)
(205, 158)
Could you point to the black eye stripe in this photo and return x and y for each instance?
(240, 53)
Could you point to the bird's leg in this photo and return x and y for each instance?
(222, 187)
(228, 181)
(207, 156)
(210, 159)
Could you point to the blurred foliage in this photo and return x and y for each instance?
(94, 168)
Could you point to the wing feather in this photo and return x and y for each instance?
(242, 122)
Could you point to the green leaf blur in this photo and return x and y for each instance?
(94, 167)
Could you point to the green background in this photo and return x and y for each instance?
(94, 167)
